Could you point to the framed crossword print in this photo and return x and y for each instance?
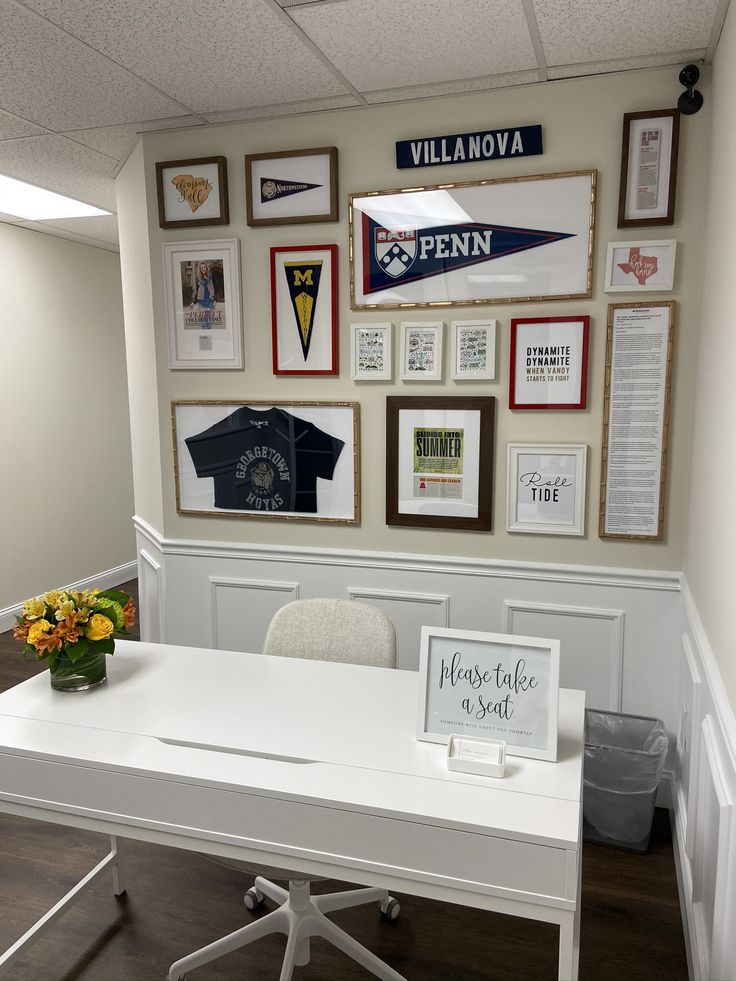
(291, 187)
(549, 363)
(304, 309)
(512, 240)
(291, 460)
(192, 192)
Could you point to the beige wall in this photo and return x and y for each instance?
(582, 121)
(66, 490)
(710, 556)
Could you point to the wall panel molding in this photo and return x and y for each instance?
(410, 611)
(151, 598)
(257, 609)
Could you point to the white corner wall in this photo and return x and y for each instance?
(66, 494)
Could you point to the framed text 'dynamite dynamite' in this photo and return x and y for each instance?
(548, 366)
(291, 187)
(304, 309)
(290, 460)
(515, 240)
(439, 461)
(192, 192)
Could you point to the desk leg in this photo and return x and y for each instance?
(569, 946)
(117, 887)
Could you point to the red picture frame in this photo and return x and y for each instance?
(304, 338)
(549, 357)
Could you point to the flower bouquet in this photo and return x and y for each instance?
(74, 631)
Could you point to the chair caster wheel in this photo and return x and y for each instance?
(390, 909)
(253, 899)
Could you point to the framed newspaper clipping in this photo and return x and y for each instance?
(648, 168)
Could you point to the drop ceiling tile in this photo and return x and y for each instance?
(210, 57)
(58, 82)
(59, 165)
(99, 228)
(575, 31)
(384, 45)
(13, 126)
(630, 64)
(118, 141)
(285, 109)
(73, 234)
(451, 88)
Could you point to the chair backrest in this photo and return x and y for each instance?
(333, 630)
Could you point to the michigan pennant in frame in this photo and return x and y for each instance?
(303, 279)
(304, 309)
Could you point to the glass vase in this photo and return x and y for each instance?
(89, 671)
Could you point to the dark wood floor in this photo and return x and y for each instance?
(178, 901)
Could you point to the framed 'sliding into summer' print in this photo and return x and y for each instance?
(290, 187)
(545, 492)
(635, 267)
(496, 686)
(421, 351)
(192, 192)
(295, 460)
(506, 240)
(439, 462)
(648, 168)
(371, 352)
(549, 363)
(304, 309)
(203, 304)
(473, 350)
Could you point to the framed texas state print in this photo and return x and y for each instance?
(290, 187)
(439, 462)
(304, 309)
(648, 168)
(635, 267)
(506, 240)
(295, 460)
(549, 363)
(546, 488)
(496, 686)
(203, 303)
(192, 192)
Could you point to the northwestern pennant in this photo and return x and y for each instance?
(405, 255)
(272, 190)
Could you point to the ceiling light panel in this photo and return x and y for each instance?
(38, 204)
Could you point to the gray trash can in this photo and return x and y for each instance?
(624, 759)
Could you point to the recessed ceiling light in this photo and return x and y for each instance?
(37, 204)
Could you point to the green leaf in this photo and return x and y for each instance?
(75, 651)
(115, 594)
(106, 646)
(53, 659)
(112, 609)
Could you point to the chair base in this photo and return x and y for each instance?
(300, 916)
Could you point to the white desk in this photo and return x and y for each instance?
(301, 764)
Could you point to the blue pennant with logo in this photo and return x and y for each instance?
(405, 255)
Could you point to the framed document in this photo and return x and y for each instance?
(203, 304)
(439, 462)
(192, 192)
(291, 187)
(549, 363)
(291, 460)
(421, 351)
(648, 168)
(636, 411)
(473, 350)
(304, 309)
(546, 488)
(371, 352)
(497, 686)
(635, 267)
(508, 240)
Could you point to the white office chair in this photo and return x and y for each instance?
(322, 630)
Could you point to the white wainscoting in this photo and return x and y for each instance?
(241, 610)
(409, 613)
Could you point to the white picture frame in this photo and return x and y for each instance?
(203, 304)
(545, 488)
(371, 352)
(421, 351)
(492, 702)
(473, 350)
(636, 267)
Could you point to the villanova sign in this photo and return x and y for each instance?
(490, 144)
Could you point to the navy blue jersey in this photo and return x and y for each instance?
(265, 461)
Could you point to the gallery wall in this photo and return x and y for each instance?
(66, 496)
(582, 121)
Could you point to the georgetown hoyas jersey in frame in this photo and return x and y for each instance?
(265, 461)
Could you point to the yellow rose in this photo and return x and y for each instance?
(34, 608)
(100, 627)
(38, 628)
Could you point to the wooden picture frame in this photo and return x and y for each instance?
(192, 193)
(638, 267)
(548, 364)
(648, 183)
(545, 488)
(410, 247)
(304, 310)
(488, 685)
(635, 510)
(439, 461)
(291, 187)
(297, 461)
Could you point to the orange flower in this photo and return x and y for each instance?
(48, 642)
(69, 630)
(128, 614)
(20, 631)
